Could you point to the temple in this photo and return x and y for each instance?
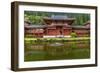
(56, 26)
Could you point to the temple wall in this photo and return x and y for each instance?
(67, 31)
(59, 31)
(82, 32)
(53, 32)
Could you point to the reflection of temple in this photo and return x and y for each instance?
(56, 26)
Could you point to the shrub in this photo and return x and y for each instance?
(30, 36)
(73, 34)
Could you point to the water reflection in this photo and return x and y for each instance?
(37, 51)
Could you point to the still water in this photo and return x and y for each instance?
(39, 51)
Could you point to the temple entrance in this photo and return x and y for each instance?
(59, 31)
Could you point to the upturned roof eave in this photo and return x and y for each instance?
(64, 19)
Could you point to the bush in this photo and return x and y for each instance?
(30, 36)
(73, 34)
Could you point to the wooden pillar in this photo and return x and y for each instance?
(62, 31)
(46, 31)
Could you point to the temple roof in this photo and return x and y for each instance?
(43, 26)
(64, 25)
(80, 27)
(58, 17)
(86, 23)
(35, 26)
(26, 23)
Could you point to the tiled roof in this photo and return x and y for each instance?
(80, 27)
(27, 22)
(64, 25)
(86, 23)
(43, 26)
(59, 17)
(35, 26)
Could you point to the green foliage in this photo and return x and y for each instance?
(73, 34)
(30, 36)
(33, 19)
(36, 17)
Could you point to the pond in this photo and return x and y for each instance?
(40, 51)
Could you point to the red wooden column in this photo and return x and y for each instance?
(62, 31)
(46, 31)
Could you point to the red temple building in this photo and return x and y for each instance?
(56, 26)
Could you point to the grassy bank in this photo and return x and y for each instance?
(58, 39)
